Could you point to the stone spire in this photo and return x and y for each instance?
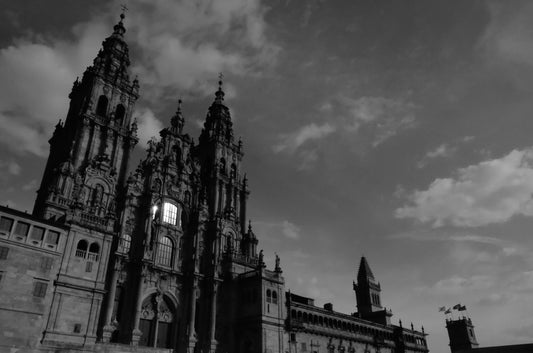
(219, 94)
(364, 273)
(177, 120)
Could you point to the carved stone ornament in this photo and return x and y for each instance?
(173, 190)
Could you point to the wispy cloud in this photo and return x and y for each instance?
(442, 151)
(285, 228)
(490, 192)
(447, 236)
(291, 142)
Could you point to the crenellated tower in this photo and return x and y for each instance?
(89, 152)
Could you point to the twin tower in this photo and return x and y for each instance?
(162, 257)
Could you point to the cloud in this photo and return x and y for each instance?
(508, 36)
(286, 228)
(441, 151)
(184, 45)
(291, 142)
(12, 167)
(31, 185)
(290, 230)
(180, 45)
(490, 192)
(445, 236)
(379, 117)
(149, 126)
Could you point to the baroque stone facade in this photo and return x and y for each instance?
(162, 258)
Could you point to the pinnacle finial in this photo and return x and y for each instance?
(124, 9)
(177, 120)
(219, 93)
(119, 27)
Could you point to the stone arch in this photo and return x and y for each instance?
(157, 320)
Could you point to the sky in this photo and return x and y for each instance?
(399, 130)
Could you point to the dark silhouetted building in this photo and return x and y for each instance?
(163, 258)
(463, 339)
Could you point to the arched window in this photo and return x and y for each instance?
(81, 249)
(165, 252)
(269, 296)
(124, 244)
(170, 213)
(119, 114)
(94, 249)
(101, 107)
(274, 297)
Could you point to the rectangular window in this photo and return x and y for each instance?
(6, 224)
(89, 266)
(37, 233)
(39, 289)
(77, 328)
(304, 347)
(170, 212)
(52, 237)
(22, 229)
(293, 337)
(3, 252)
(46, 263)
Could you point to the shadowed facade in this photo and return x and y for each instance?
(162, 258)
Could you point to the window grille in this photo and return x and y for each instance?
(52, 237)
(94, 249)
(81, 249)
(165, 251)
(170, 213)
(124, 245)
(22, 229)
(37, 233)
(6, 224)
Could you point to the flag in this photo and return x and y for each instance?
(456, 306)
(442, 308)
(448, 311)
(462, 308)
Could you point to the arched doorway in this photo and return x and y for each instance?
(157, 322)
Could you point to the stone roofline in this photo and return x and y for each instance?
(352, 318)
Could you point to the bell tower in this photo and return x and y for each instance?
(89, 152)
(367, 290)
(368, 294)
(225, 187)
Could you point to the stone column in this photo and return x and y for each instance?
(111, 326)
(212, 330)
(137, 333)
(192, 318)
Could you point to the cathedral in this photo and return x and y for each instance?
(160, 256)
